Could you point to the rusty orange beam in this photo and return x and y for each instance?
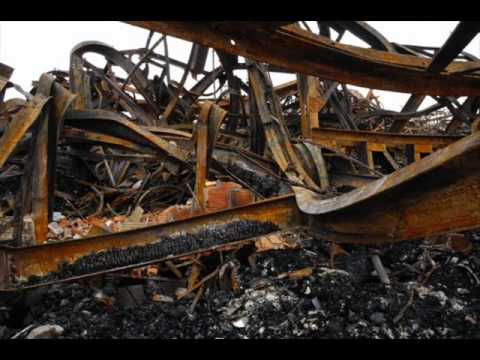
(311, 103)
(39, 260)
(40, 180)
(437, 194)
(72, 135)
(303, 52)
(354, 138)
(201, 169)
(91, 120)
(21, 123)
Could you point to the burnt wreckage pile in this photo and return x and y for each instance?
(236, 208)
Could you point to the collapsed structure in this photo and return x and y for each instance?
(103, 174)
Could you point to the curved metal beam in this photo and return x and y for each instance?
(438, 194)
(303, 52)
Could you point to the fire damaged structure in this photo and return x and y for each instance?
(126, 190)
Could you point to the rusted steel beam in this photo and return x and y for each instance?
(460, 117)
(42, 259)
(365, 32)
(275, 131)
(311, 103)
(216, 117)
(201, 169)
(20, 125)
(303, 52)
(79, 79)
(412, 105)
(62, 101)
(112, 123)
(461, 36)
(38, 182)
(233, 246)
(354, 138)
(199, 54)
(174, 99)
(437, 194)
(72, 135)
(40, 175)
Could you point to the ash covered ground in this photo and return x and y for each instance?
(346, 302)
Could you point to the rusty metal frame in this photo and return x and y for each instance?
(439, 193)
(303, 52)
(433, 195)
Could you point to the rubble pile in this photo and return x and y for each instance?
(132, 142)
(135, 206)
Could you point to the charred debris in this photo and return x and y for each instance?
(133, 206)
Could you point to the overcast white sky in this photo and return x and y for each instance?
(32, 48)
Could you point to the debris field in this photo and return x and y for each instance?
(135, 206)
